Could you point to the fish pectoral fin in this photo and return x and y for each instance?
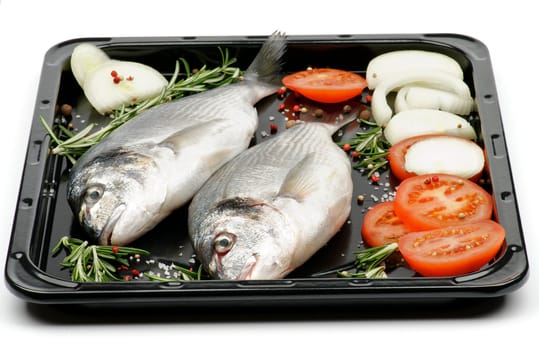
(193, 134)
(303, 179)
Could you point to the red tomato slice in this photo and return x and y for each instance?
(397, 155)
(381, 225)
(326, 85)
(452, 250)
(430, 201)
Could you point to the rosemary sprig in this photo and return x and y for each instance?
(183, 275)
(369, 262)
(94, 263)
(371, 147)
(73, 145)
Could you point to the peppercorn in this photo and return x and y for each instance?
(66, 110)
(290, 123)
(365, 114)
(360, 199)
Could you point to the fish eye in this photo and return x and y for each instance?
(223, 242)
(93, 194)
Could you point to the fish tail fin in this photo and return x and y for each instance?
(267, 63)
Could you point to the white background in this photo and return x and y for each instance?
(509, 29)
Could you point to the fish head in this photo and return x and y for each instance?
(116, 197)
(244, 239)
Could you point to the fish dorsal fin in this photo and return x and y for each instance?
(300, 182)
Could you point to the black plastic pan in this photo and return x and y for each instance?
(43, 216)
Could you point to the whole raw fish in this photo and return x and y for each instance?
(271, 208)
(153, 164)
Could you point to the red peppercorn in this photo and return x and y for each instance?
(127, 278)
(135, 272)
(368, 98)
(130, 78)
(355, 154)
(116, 80)
(346, 147)
(273, 128)
(115, 249)
(281, 107)
(375, 177)
(114, 73)
(296, 109)
(281, 91)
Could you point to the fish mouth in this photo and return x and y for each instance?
(107, 232)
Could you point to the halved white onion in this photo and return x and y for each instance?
(445, 155)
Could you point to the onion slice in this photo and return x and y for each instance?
(381, 111)
(389, 64)
(420, 97)
(417, 122)
(85, 59)
(135, 82)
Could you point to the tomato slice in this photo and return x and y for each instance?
(452, 250)
(399, 151)
(430, 201)
(381, 225)
(327, 85)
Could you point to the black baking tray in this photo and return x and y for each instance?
(43, 216)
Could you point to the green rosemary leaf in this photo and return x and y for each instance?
(369, 262)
